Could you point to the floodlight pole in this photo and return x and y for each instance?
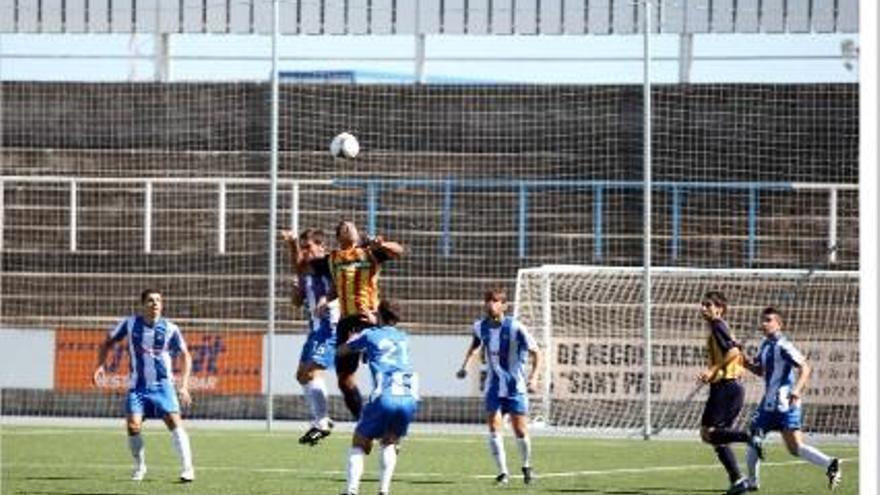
(273, 218)
(646, 214)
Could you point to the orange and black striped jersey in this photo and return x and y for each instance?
(355, 273)
(719, 342)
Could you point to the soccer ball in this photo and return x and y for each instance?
(345, 145)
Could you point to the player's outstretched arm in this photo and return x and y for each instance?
(289, 238)
(391, 249)
(472, 350)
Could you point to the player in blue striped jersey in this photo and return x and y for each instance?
(507, 346)
(313, 291)
(393, 401)
(151, 340)
(780, 409)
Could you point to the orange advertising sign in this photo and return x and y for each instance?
(223, 362)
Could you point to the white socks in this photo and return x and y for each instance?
(753, 464)
(525, 450)
(814, 456)
(181, 444)
(315, 393)
(355, 468)
(387, 461)
(496, 448)
(806, 452)
(136, 445)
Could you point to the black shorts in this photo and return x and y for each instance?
(345, 328)
(724, 404)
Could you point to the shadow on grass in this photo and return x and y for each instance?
(645, 490)
(65, 492)
(53, 478)
(424, 482)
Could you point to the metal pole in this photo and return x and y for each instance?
(685, 57)
(161, 57)
(148, 217)
(73, 214)
(294, 207)
(420, 46)
(547, 323)
(273, 217)
(221, 217)
(646, 192)
(832, 226)
(2, 216)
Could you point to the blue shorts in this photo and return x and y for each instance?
(767, 421)
(387, 415)
(320, 346)
(517, 404)
(152, 402)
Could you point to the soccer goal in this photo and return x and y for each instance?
(589, 321)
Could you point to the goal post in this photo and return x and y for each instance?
(588, 322)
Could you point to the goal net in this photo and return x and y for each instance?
(109, 188)
(590, 321)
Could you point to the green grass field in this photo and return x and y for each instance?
(95, 461)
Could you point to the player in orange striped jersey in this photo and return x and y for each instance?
(355, 267)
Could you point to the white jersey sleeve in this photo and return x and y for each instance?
(791, 353)
(176, 341)
(521, 329)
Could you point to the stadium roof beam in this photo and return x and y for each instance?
(467, 17)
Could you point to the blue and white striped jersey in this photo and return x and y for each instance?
(778, 357)
(149, 349)
(315, 286)
(505, 348)
(387, 353)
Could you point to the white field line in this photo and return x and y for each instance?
(418, 432)
(427, 437)
(561, 474)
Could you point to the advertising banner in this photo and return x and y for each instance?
(614, 369)
(223, 362)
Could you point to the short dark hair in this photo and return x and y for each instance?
(389, 312)
(146, 293)
(495, 293)
(717, 298)
(772, 311)
(340, 224)
(314, 235)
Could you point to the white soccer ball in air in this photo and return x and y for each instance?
(345, 145)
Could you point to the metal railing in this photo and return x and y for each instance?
(676, 191)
